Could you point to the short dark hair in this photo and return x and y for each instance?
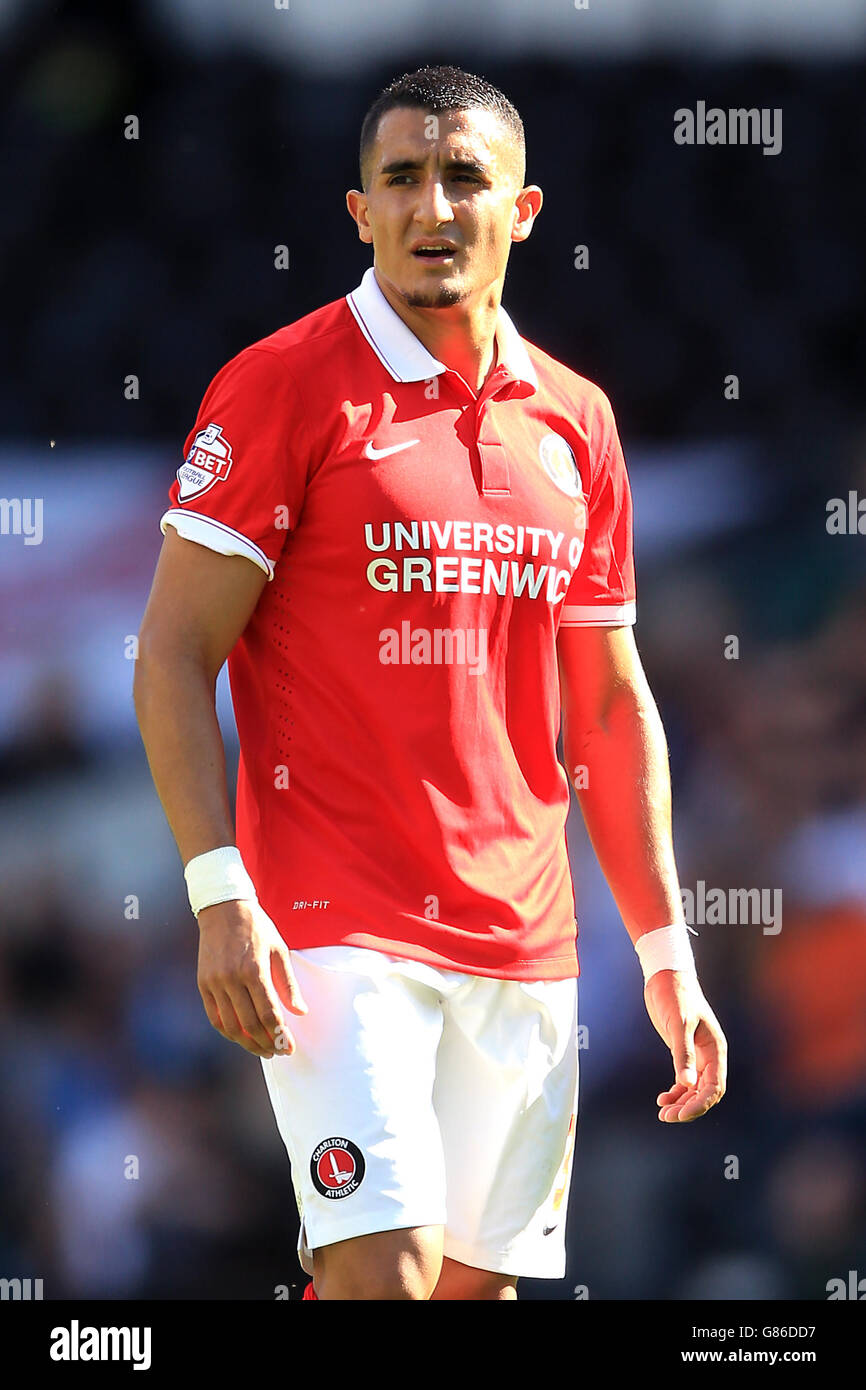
(439, 90)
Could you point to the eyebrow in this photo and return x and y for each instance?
(400, 166)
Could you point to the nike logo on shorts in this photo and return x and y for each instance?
(373, 453)
(548, 1230)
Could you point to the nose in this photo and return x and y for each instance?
(433, 208)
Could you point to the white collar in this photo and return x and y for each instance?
(405, 356)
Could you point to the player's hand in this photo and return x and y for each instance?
(682, 1017)
(245, 977)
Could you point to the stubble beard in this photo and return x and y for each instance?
(441, 298)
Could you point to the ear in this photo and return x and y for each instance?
(356, 202)
(527, 206)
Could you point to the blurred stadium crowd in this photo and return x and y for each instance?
(138, 1153)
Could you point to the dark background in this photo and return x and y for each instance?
(155, 258)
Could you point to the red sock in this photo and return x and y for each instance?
(310, 1292)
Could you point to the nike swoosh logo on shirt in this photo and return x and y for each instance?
(373, 453)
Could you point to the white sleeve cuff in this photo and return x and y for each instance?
(216, 536)
(598, 615)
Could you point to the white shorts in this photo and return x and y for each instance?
(418, 1096)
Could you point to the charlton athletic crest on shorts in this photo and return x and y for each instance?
(559, 465)
(209, 461)
(337, 1168)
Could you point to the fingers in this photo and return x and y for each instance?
(683, 1053)
(284, 979)
(684, 1019)
(713, 1044)
(247, 1015)
(692, 1104)
(240, 1022)
(270, 1014)
(684, 1103)
(694, 1101)
(210, 1008)
(674, 1094)
(245, 978)
(252, 1007)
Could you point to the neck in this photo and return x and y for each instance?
(462, 336)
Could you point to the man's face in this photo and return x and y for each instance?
(452, 182)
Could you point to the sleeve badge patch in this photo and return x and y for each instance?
(559, 464)
(209, 461)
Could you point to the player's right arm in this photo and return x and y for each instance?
(199, 604)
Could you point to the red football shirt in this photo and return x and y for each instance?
(396, 689)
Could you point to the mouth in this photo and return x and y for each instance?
(434, 252)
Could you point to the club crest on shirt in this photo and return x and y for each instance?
(209, 461)
(558, 462)
(337, 1168)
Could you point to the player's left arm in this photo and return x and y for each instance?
(612, 731)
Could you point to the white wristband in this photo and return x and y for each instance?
(665, 948)
(217, 877)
